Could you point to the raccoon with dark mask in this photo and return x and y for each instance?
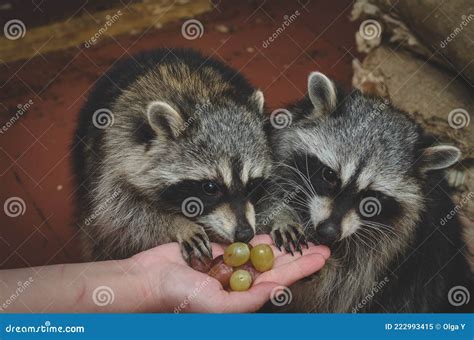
(359, 175)
(170, 147)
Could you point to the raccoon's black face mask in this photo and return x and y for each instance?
(227, 213)
(359, 164)
(215, 167)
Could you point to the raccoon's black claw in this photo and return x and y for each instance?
(297, 246)
(299, 236)
(277, 239)
(196, 246)
(290, 237)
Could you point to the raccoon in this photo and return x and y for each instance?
(357, 174)
(170, 147)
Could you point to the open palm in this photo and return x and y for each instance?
(177, 287)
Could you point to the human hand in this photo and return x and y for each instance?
(174, 286)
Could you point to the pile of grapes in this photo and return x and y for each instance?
(240, 265)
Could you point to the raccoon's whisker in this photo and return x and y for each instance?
(375, 232)
(375, 235)
(292, 185)
(305, 179)
(378, 224)
(308, 176)
(382, 229)
(360, 237)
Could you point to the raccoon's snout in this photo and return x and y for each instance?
(243, 233)
(327, 232)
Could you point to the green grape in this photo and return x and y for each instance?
(236, 254)
(262, 257)
(240, 280)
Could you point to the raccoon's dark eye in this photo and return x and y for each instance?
(210, 188)
(329, 176)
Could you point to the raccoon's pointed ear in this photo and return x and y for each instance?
(322, 93)
(259, 100)
(439, 157)
(164, 119)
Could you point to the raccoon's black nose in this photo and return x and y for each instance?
(327, 232)
(244, 234)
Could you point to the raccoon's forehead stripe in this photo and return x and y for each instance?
(251, 171)
(347, 172)
(245, 174)
(315, 144)
(225, 171)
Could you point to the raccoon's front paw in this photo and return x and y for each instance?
(195, 244)
(288, 236)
